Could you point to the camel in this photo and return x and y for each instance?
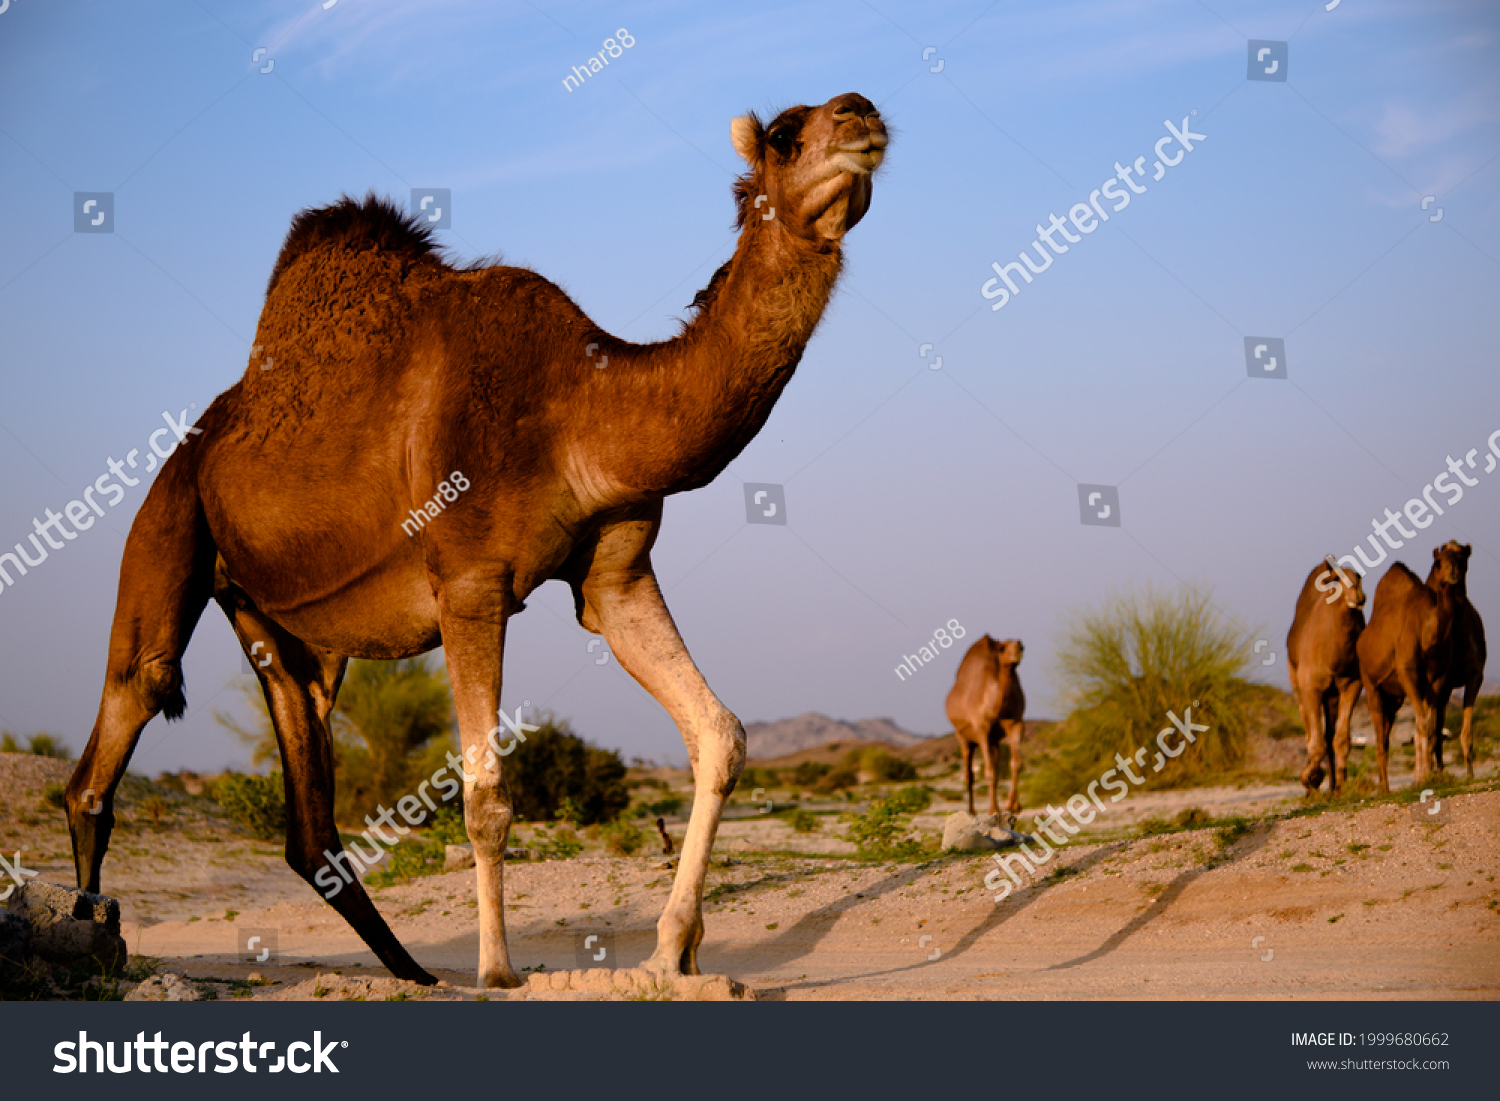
(1407, 650)
(1466, 670)
(1324, 667)
(393, 368)
(986, 699)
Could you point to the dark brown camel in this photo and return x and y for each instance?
(1324, 667)
(1466, 670)
(985, 701)
(1406, 651)
(396, 374)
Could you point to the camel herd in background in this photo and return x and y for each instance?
(1423, 641)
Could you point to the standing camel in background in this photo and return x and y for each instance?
(1406, 651)
(985, 700)
(1323, 664)
(1466, 671)
(535, 446)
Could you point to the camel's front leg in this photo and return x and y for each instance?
(473, 629)
(627, 606)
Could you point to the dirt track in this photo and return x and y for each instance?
(1364, 903)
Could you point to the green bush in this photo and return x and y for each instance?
(836, 780)
(446, 827)
(53, 794)
(256, 804)
(910, 800)
(1124, 668)
(561, 843)
(410, 859)
(623, 837)
(880, 763)
(554, 767)
(40, 745)
(803, 821)
(883, 832)
(752, 778)
(809, 773)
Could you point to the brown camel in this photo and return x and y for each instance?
(1324, 667)
(1406, 651)
(986, 699)
(393, 369)
(1466, 670)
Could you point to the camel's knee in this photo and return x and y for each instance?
(721, 755)
(487, 817)
(158, 685)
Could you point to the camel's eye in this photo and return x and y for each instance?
(783, 139)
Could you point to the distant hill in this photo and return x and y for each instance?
(786, 736)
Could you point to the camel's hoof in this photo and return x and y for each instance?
(501, 979)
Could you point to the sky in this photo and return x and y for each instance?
(930, 448)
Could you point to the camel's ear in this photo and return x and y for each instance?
(1468, 550)
(1437, 552)
(749, 138)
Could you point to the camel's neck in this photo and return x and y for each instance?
(687, 407)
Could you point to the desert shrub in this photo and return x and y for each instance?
(1124, 667)
(256, 804)
(555, 768)
(880, 763)
(883, 832)
(910, 800)
(393, 727)
(809, 773)
(560, 843)
(39, 745)
(803, 821)
(836, 780)
(622, 837)
(409, 859)
(53, 794)
(446, 827)
(752, 778)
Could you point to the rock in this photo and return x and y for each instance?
(257, 977)
(70, 926)
(557, 980)
(458, 857)
(15, 944)
(965, 833)
(170, 987)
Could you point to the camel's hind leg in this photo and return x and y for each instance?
(1383, 708)
(968, 748)
(166, 578)
(1014, 728)
(1314, 721)
(1348, 696)
(620, 597)
(300, 683)
(1466, 735)
(990, 753)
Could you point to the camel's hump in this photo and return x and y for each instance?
(374, 223)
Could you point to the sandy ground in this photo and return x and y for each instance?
(1350, 903)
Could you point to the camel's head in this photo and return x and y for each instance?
(1450, 564)
(1008, 650)
(811, 167)
(1354, 589)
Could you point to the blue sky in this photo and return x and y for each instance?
(914, 496)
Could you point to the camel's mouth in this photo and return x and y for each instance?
(860, 157)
